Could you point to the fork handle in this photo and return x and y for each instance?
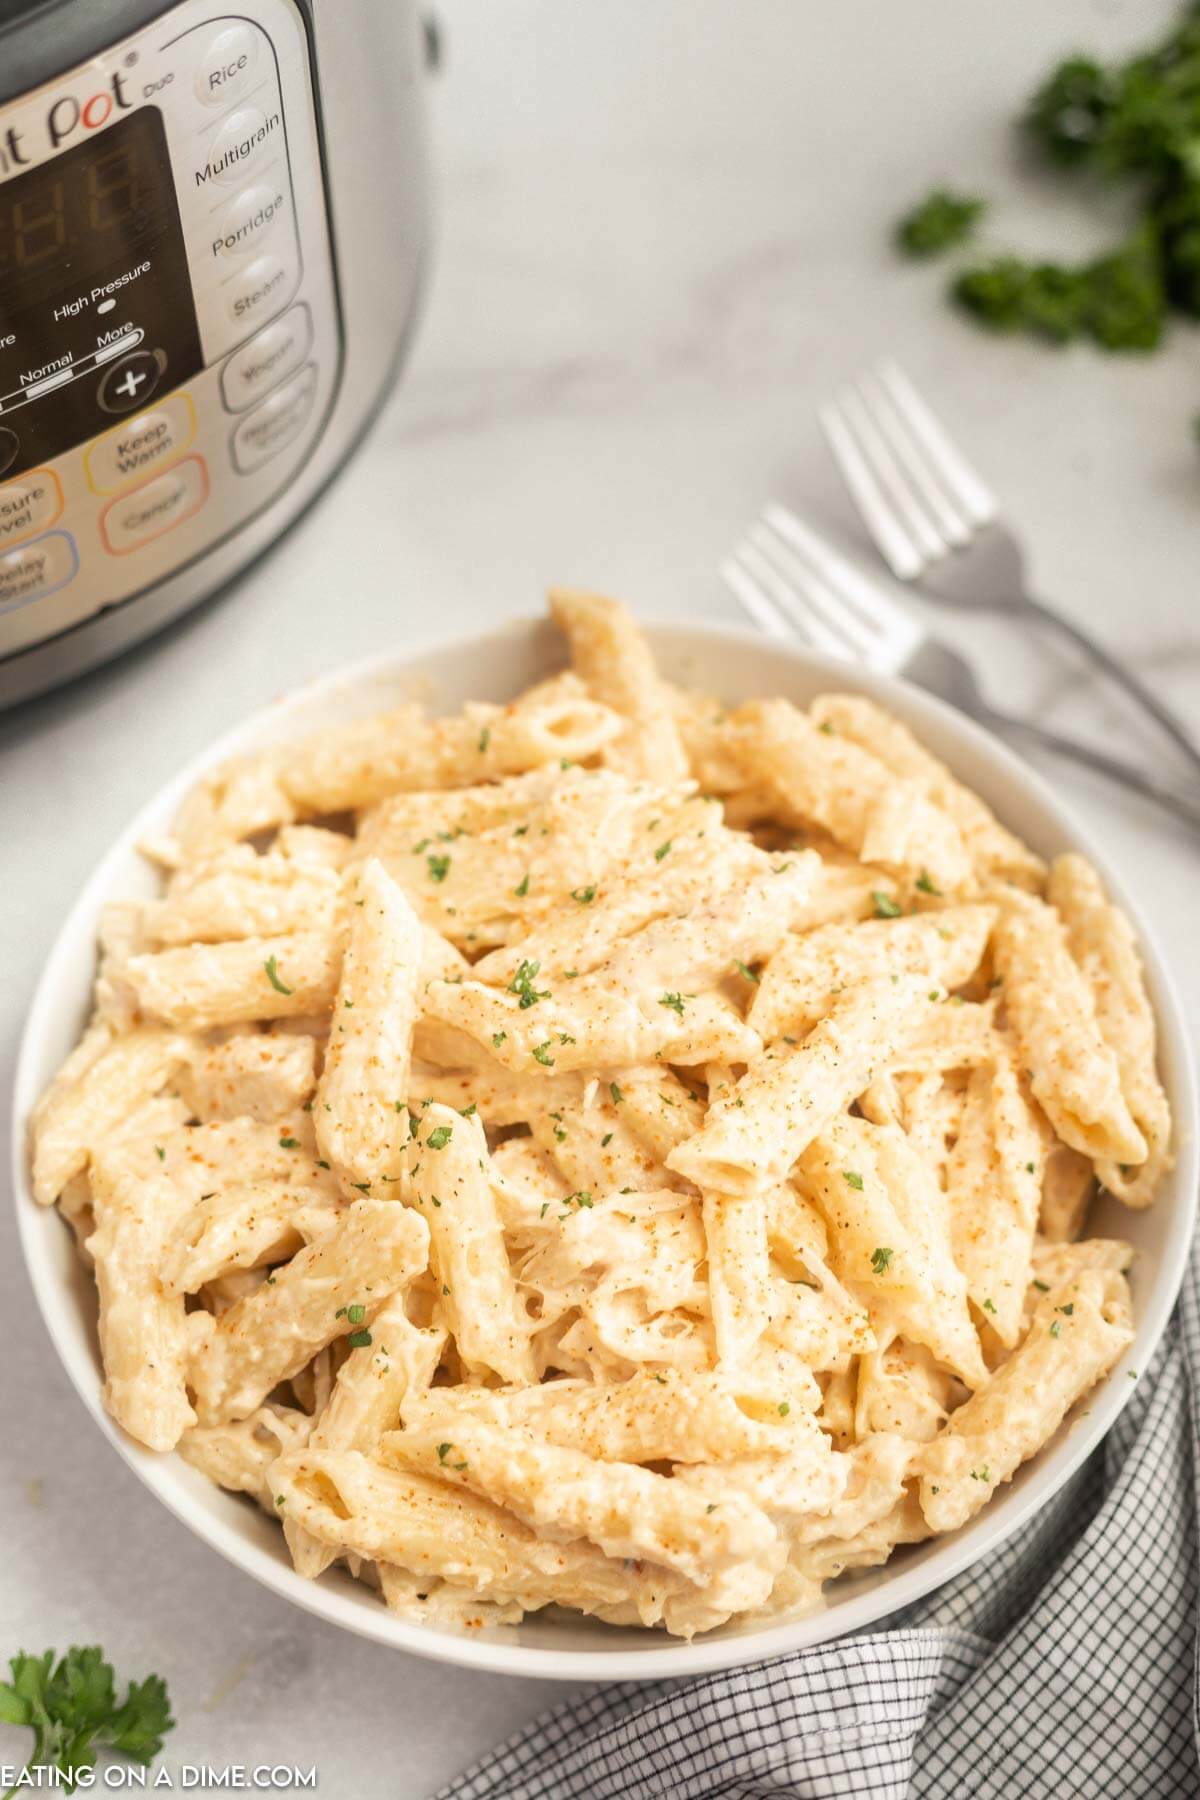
(1164, 716)
(1113, 766)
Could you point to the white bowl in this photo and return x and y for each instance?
(736, 665)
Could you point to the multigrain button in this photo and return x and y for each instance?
(259, 291)
(39, 569)
(137, 448)
(228, 66)
(263, 363)
(239, 145)
(158, 506)
(274, 424)
(28, 504)
(250, 218)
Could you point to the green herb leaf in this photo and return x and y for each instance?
(439, 1137)
(881, 1259)
(853, 1179)
(273, 977)
(885, 906)
(943, 218)
(438, 866)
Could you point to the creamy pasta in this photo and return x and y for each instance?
(607, 1151)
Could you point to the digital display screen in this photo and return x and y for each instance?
(96, 310)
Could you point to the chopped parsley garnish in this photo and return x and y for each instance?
(673, 1001)
(885, 906)
(881, 1259)
(160, 1153)
(359, 1340)
(615, 1093)
(1041, 1286)
(438, 866)
(498, 1038)
(443, 1451)
(272, 969)
(943, 218)
(439, 1137)
(853, 1179)
(485, 738)
(584, 895)
(663, 850)
(522, 887)
(744, 969)
(522, 984)
(1068, 1309)
(981, 1474)
(541, 1054)
(289, 1143)
(988, 1307)
(785, 1407)
(925, 883)
(606, 1140)
(1056, 1329)
(356, 1313)
(468, 1112)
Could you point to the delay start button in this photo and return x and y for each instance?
(272, 426)
(146, 512)
(39, 569)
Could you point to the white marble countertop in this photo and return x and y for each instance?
(663, 238)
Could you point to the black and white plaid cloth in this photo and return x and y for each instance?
(1063, 1665)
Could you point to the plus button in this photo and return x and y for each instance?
(131, 381)
(129, 384)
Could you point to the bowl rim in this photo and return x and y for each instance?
(701, 1655)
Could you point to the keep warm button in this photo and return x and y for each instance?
(158, 506)
(136, 448)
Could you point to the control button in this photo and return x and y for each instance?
(29, 504)
(274, 424)
(241, 142)
(146, 512)
(10, 443)
(228, 67)
(136, 449)
(261, 364)
(131, 381)
(259, 290)
(249, 219)
(39, 569)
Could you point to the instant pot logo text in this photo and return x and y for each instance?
(66, 118)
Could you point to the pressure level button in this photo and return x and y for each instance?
(229, 66)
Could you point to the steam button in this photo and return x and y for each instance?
(229, 66)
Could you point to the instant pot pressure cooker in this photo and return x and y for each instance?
(212, 233)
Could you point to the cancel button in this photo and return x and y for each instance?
(146, 512)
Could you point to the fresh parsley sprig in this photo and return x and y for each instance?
(70, 1705)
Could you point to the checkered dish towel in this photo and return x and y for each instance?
(1062, 1665)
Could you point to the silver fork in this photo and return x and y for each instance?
(937, 525)
(793, 583)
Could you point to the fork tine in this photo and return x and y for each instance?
(808, 620)
(766, 615)
(948, 462)
(813, 593)
(892, 476)
(894, 625)
(875, 509)
(913, 458)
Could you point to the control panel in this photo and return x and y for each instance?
(169, 332)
